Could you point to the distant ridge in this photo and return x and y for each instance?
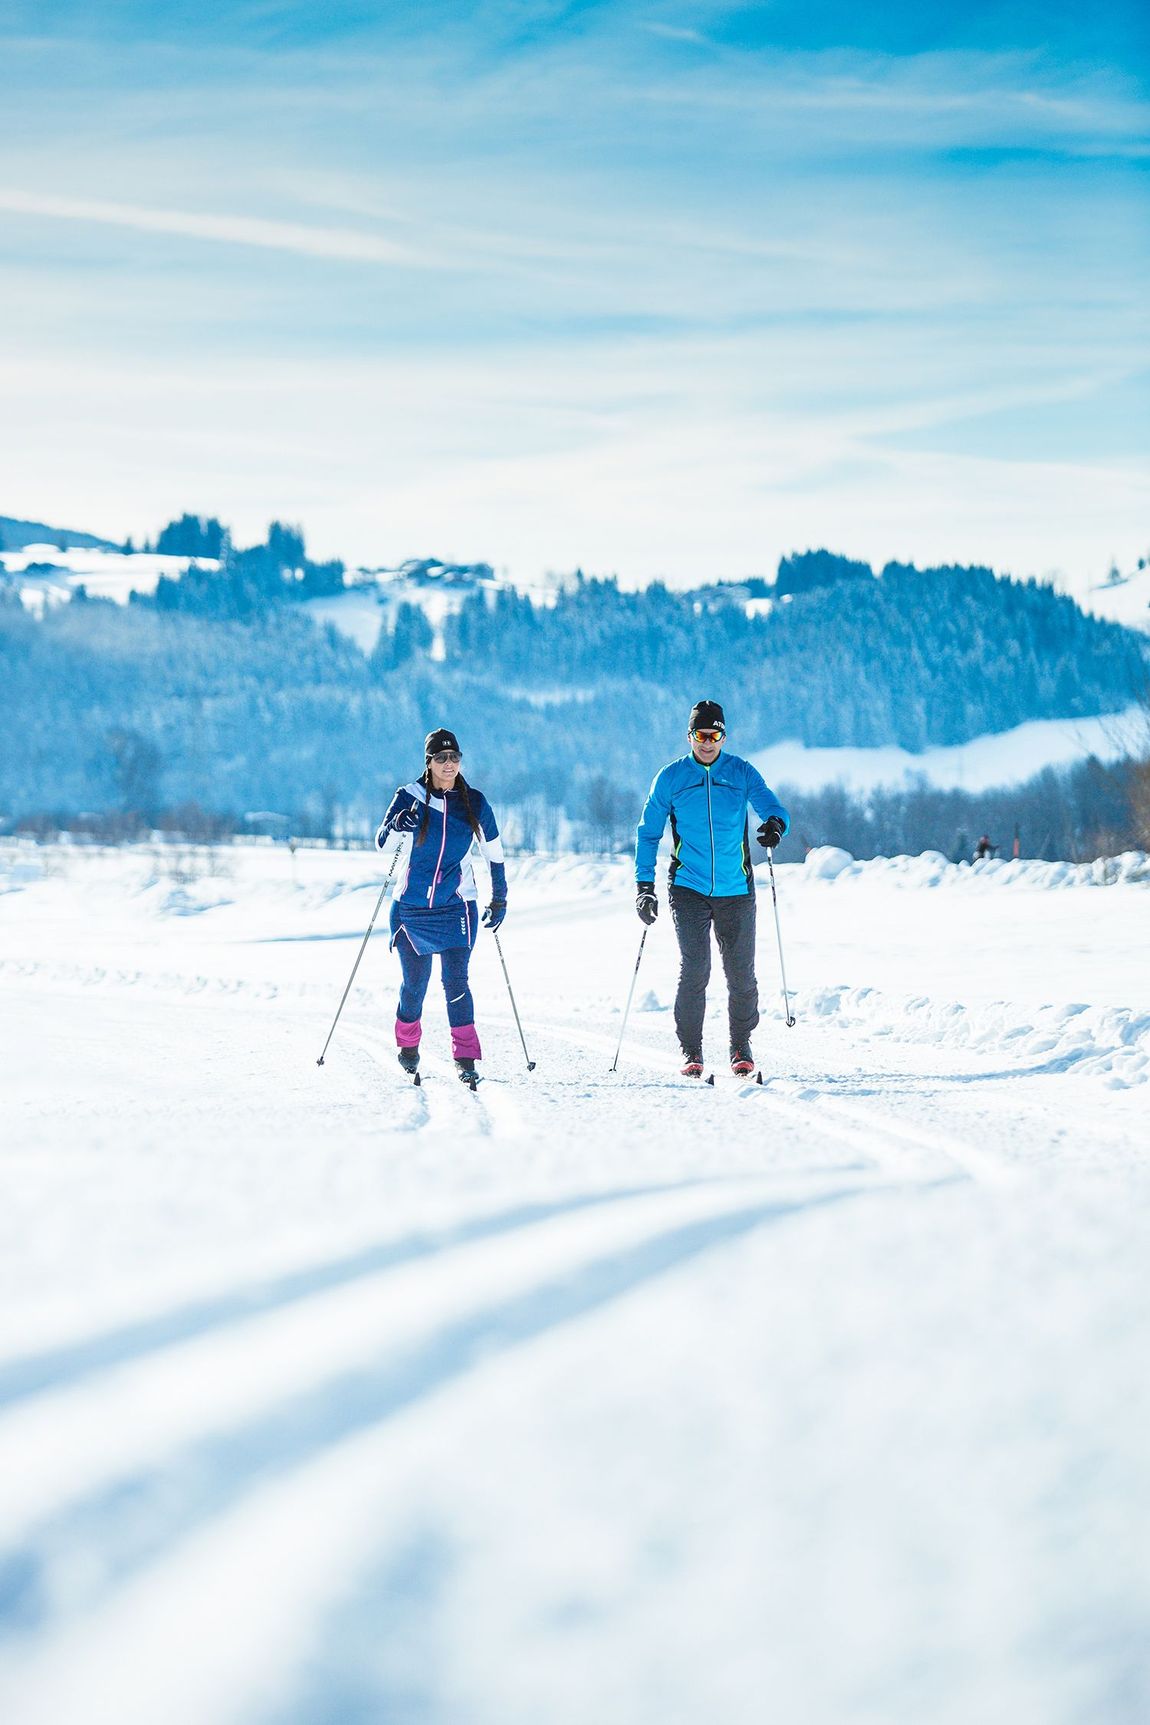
(14, 535)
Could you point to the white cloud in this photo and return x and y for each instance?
(321, 242)
(797, 299)
(616, 461)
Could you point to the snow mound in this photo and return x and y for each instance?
(1111, 1043)
(827, 862)
(932, 869)
(561, 874)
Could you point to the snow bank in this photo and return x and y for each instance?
(827, 862)
(1107, 1042)
(932, 869)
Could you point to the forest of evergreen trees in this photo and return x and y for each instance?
(246, 583)
(916, 657)
(219, 697)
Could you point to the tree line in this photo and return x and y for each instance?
(565, 711)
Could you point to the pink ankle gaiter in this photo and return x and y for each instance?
(465, 1042)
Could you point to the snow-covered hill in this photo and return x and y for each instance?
(15, 534)
(373, 596)
(1125, 601)
(998, 758)
(45, 575)
(593, 1396)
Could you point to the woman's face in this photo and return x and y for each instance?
(444, 770)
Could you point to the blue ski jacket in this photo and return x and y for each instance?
(436, 896)
(707, 808)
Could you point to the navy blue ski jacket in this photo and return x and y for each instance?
(438, 872)
(707, 808)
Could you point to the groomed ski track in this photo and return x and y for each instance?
(192, 1425)
(596, 1342)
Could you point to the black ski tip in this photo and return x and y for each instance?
(417, 1080)
(758, 1078)
(711, 1080)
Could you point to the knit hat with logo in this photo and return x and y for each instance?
(437, 740)
(707, 716)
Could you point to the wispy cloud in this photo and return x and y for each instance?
(655, 294)
(346, 244)
(678, 33)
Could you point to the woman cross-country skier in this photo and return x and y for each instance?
(440, 817)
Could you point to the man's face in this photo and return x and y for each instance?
(707, 742)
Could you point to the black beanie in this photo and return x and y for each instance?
(437, 740)
(707, 716)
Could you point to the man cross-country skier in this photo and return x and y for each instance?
(710, 884)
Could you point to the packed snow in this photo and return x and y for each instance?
(596, 1395)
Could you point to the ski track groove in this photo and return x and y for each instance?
(86, 1546)
(878, 1135)
(57, 1368)
(69, 1559)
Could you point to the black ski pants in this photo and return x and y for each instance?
(733, 920)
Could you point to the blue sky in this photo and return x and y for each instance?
(661, 289)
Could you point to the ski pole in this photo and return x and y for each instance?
(362, 949)
(514, 1008)
(630, 995)
(779, 933)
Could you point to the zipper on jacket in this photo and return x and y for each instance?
(439, 858)
(710, 828)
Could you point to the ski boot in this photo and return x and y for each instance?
(692, 1066)
(409, 1060)
(742, 1062)
(466, 1073)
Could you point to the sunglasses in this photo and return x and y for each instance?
(442, 756)
(708, 736)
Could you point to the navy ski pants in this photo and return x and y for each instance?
(733, 920)
(454, 961)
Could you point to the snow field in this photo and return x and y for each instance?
(591, 1395)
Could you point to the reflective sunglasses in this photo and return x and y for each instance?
(708, 736)
(442, 756)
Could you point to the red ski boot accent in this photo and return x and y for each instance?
(691, 1068)
(742, 1065)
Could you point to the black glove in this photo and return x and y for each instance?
(646, 903)
(494, 914)
(770, 833)
(406, 820)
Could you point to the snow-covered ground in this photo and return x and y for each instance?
(983, 764)
(1125, 601)
(593, 1396)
